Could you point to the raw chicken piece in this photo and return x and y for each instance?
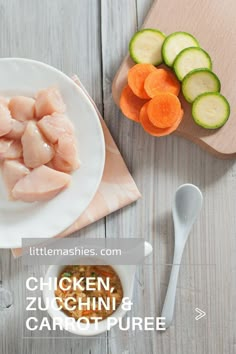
(10, 149)
(4, 146)
(4, 101)
(49, 101)
(43, 183)
(13, 171)
(17, 130)
(22, 108)
(66, 158)
(55, 126)
(36, 150)
(5, 120)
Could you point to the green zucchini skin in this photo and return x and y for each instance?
(192, 42)
(137, 58)
(214, 84)
(223, 110)
(186, 52)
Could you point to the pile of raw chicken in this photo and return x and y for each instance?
(38, 149)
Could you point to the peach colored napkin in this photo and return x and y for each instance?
(117, 188)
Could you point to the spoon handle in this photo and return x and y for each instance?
(169, 303)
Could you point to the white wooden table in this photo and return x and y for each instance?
(90, 38)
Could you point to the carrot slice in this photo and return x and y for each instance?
(151, 129)
(161, 80)
(104, 273)
(86, 312)
(137, 76)
(164, 110)
(130, 104)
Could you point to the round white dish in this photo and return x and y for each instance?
(46, 219)
(126, 274)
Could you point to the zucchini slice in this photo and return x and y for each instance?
(190, 59)
(211, 110)
(145, 46)
(175, 43)
(199, 81)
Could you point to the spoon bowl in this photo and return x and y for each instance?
(186, 208)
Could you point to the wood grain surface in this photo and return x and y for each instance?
(90, 38)
(213, 23)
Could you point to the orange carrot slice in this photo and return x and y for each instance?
(105, 274)
(137, 76)
(151, 129)
(164, 110)
(161, 80)
(86, 312)
(130, 104)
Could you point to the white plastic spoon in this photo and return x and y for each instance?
(186, 208)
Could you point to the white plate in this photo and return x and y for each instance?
(46, 219)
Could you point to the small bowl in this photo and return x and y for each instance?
(126, 275)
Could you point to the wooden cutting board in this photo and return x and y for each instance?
(213, 23)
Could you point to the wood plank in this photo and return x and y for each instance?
(67, 36)
(124, 223)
